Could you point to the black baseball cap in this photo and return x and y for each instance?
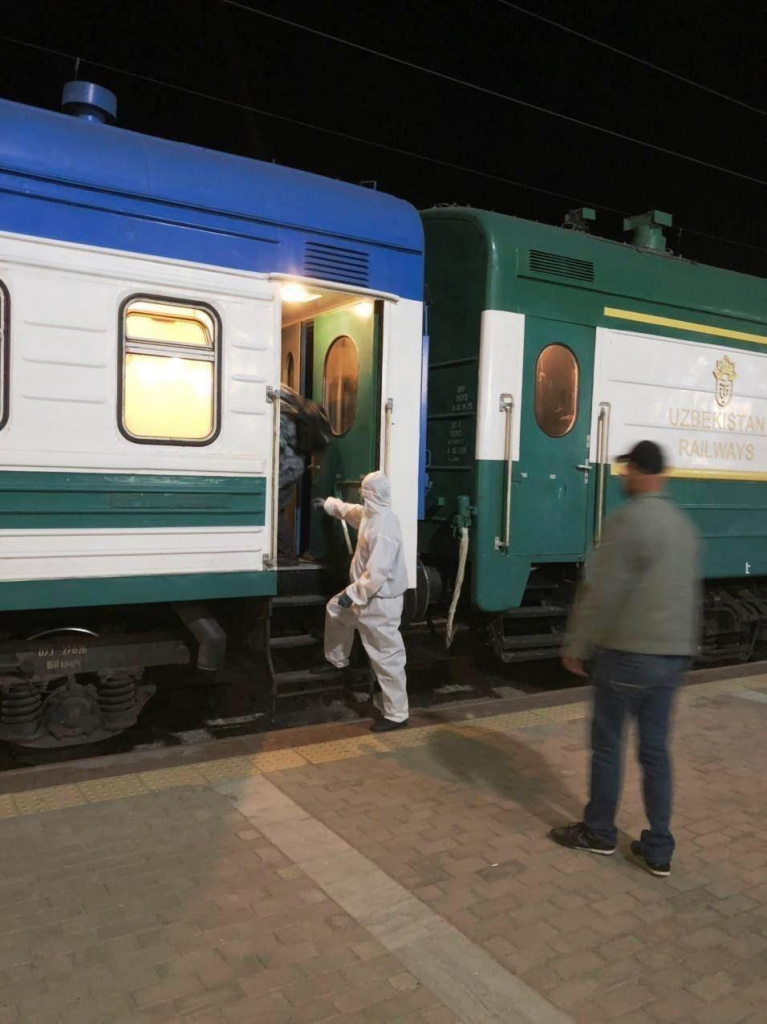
(647, 457)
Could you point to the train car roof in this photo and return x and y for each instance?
(543, 253)
(102, 171)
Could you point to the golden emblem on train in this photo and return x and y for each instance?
(725, 380)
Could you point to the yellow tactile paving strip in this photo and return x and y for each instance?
(205, 773)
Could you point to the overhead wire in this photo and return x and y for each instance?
(400, 151)
(632, 56)
(485, 90)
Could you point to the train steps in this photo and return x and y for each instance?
(300, 675)
(513, 641)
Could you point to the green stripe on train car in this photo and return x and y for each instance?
(45, 500)
(81, 593)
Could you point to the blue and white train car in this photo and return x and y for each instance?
(153, 296)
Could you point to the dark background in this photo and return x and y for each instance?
(226, 52)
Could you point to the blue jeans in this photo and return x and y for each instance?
(643, 686)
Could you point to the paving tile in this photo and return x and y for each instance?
(402, 878)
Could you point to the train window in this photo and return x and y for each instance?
(340, 384)
(169, 372)
(5, 322)
(556, 390)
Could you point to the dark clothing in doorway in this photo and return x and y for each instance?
(292, 468)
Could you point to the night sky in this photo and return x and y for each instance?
(227, 52)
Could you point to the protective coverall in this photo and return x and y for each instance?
(378, 583)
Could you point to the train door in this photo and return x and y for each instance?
(552, 511)
(345, 379)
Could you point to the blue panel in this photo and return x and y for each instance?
(64, 178)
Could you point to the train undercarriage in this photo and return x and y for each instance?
(261, 659)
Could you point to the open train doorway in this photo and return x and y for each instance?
(331, 353)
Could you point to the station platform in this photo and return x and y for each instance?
(333, 875)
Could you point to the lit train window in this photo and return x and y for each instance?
(556, 390)
(169, 372)
(339, 392)
(5, 326)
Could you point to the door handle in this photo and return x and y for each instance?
(584, 467)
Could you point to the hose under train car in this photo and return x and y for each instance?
(463, 554)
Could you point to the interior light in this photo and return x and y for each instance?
(293, 292)
(364, 310)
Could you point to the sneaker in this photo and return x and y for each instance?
(659, 870)
(386, 725)
(578, 837)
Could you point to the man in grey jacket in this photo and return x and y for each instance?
(636, 620)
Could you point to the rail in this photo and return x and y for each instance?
(506, 406)
(603, 437)
(273, 396)
(388, 410)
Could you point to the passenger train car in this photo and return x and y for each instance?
(155, 297)
(551, 353)
(152, 296)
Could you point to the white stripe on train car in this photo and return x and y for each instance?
(703, 402)
(501, 359)
(92, 553)
(402, 340)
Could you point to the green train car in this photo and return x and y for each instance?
(552, 351)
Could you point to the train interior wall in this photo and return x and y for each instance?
(330, 353)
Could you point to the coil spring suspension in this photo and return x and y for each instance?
(21, 709)
(118, 700)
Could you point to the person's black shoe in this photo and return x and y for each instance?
(659, 870)
(386, 725)
(578, 837)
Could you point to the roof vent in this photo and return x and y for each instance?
(648, 229)
(553, 265)
(335, 263)
(579, 220)
(90, 102)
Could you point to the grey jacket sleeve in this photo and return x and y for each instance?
(602, 594)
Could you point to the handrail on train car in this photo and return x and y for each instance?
(603, 436)
(506, 406)
(273, 396)
(388, 411)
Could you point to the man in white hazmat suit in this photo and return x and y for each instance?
(372, 603)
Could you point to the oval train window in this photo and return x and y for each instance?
(339, 390)
(556, 390)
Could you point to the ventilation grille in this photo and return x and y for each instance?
(335, 263)
(553, 265)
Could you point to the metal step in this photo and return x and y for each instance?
(315, 683)
(299, 600)
(526, 642)
(284, 643)
(510, 657)
(536, 611)
(311, 692)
